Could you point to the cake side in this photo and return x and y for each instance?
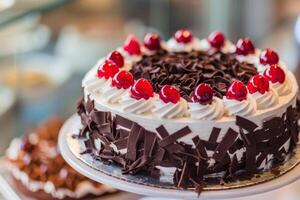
(238, 155)
(193, 109)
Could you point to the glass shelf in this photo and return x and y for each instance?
(16, 9)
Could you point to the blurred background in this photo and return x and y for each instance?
(47, 46)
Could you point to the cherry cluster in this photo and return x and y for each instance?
(203, 94)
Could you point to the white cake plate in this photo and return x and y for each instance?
(71, 125)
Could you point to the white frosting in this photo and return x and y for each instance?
(250, 58)
(147, 51)
(95, 85)
(169, 110)
(242, 108)
(92, 83)
(92, 74)
(84, 188)
(266, 100)
(282, 88)
(174, 46)
(141, 111)
(112, 94)
(212, 111)
(129, 59)
(204, 45)
(130, 104)
(135, 106)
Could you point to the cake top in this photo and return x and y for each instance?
(186, 70)
(185, 75)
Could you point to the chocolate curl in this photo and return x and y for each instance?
(163, 133)
(136, 130)
(201, 152)
(99, 117)
(80, 106)
(150, 140)
(123, 122)
(187, 71)
(184, 177)
(174, 137)
(214, 135)
(89, 105)
(250, 159)
(225, 144)
(245, 124)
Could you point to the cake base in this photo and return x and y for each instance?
(112, 175)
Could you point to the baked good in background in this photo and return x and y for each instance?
(39, 171)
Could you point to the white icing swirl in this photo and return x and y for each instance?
(112, 94)
(204, 45)
(282, 89)
(212, 111)
(174, 46)
(228, 47)
(141, 106)
(95, 84)
(170, 110)
(129, 60)
(266, 100)
(261, 68)
(250, 58)
(242, 108)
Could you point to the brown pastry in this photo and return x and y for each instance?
(39, 171)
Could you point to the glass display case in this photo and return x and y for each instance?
(46, 46)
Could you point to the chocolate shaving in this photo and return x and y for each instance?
(146, 150)
(123, 122)
(174, 137)
(214, 134)
(225, 144)
(245, 124)
(136, 130)
(187, 70)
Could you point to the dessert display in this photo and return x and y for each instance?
(201, 110)
(39, 171)
(30, 79)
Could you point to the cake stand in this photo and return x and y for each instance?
(111, 175)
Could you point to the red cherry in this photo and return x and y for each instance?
(152, 41)
(122, 79)
(203, 94)
(258, 83)
(132, 45)
(142, 88)
(216, 39)
(275, 74)
(183, 36)
(169, 93)
(268, 56)
(108, 69)
(116, 57)
(237, 90)
(244, 46)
